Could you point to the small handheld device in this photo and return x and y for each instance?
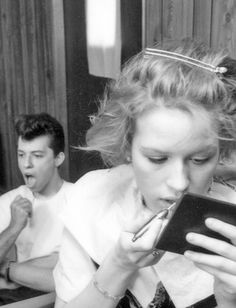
(145, 227)
(189, 215)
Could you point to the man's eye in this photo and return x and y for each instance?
(20, 154)
(38, 155)
(158, 160)
(200, 161)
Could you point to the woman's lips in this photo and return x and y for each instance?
(168, 201)
(169, 204)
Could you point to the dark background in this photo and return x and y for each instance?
(83, 89)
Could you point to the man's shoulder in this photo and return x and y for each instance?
(65, 190)
(22, 190)
(67, 185)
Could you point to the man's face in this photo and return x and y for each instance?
(37, 162)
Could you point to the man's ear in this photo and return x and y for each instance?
(128, 157)
(59, 159)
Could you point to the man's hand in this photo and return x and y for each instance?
(21, 210)
(3, 268)
(8, 285)
(4, 284)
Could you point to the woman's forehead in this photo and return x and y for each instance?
(162, 114)
(175, 126)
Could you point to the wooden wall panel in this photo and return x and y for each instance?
(177, 19)
(152, 32)
(202, 20)
(29, 62)
(210, 21)
(224, 25)
(59, 108)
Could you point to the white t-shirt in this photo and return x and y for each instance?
(98, 208)
(43, 232)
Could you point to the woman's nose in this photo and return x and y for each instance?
(178, 179)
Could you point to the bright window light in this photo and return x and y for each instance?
(101, 22)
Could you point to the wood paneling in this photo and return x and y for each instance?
(211, 21)
(224, 25)
(202, 20)
(177, 18)
(32, 72)
(153, 22)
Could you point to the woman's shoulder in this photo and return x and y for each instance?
(223, 190)
(97, 190)
(104, 179)
(93, 208)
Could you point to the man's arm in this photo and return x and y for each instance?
(21, 209)
(35, 273)
(7, 241)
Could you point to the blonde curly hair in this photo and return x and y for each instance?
(150, 81)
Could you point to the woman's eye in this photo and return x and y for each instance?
(20, 154)
(157, 160)
(200, 161)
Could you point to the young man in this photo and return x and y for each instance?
(29, 214)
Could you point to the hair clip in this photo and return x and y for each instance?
(185, 59)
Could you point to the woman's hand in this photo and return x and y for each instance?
(141, 253)
(223, 265)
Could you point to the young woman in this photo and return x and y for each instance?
(162, 127)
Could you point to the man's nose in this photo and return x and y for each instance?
(28, 162)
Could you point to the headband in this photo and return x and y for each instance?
(185, 59)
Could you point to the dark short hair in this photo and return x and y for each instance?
(30, 126)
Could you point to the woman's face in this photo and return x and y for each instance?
(173, 152)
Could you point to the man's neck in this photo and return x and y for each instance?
(51, 190)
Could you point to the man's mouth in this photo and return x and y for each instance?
(29, 179)
(27, 176)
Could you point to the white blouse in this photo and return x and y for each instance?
(98, 207)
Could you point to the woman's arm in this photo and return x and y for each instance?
(110, 279)
(118, 269)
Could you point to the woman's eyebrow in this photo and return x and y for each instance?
(208, 150)
(153, 150)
